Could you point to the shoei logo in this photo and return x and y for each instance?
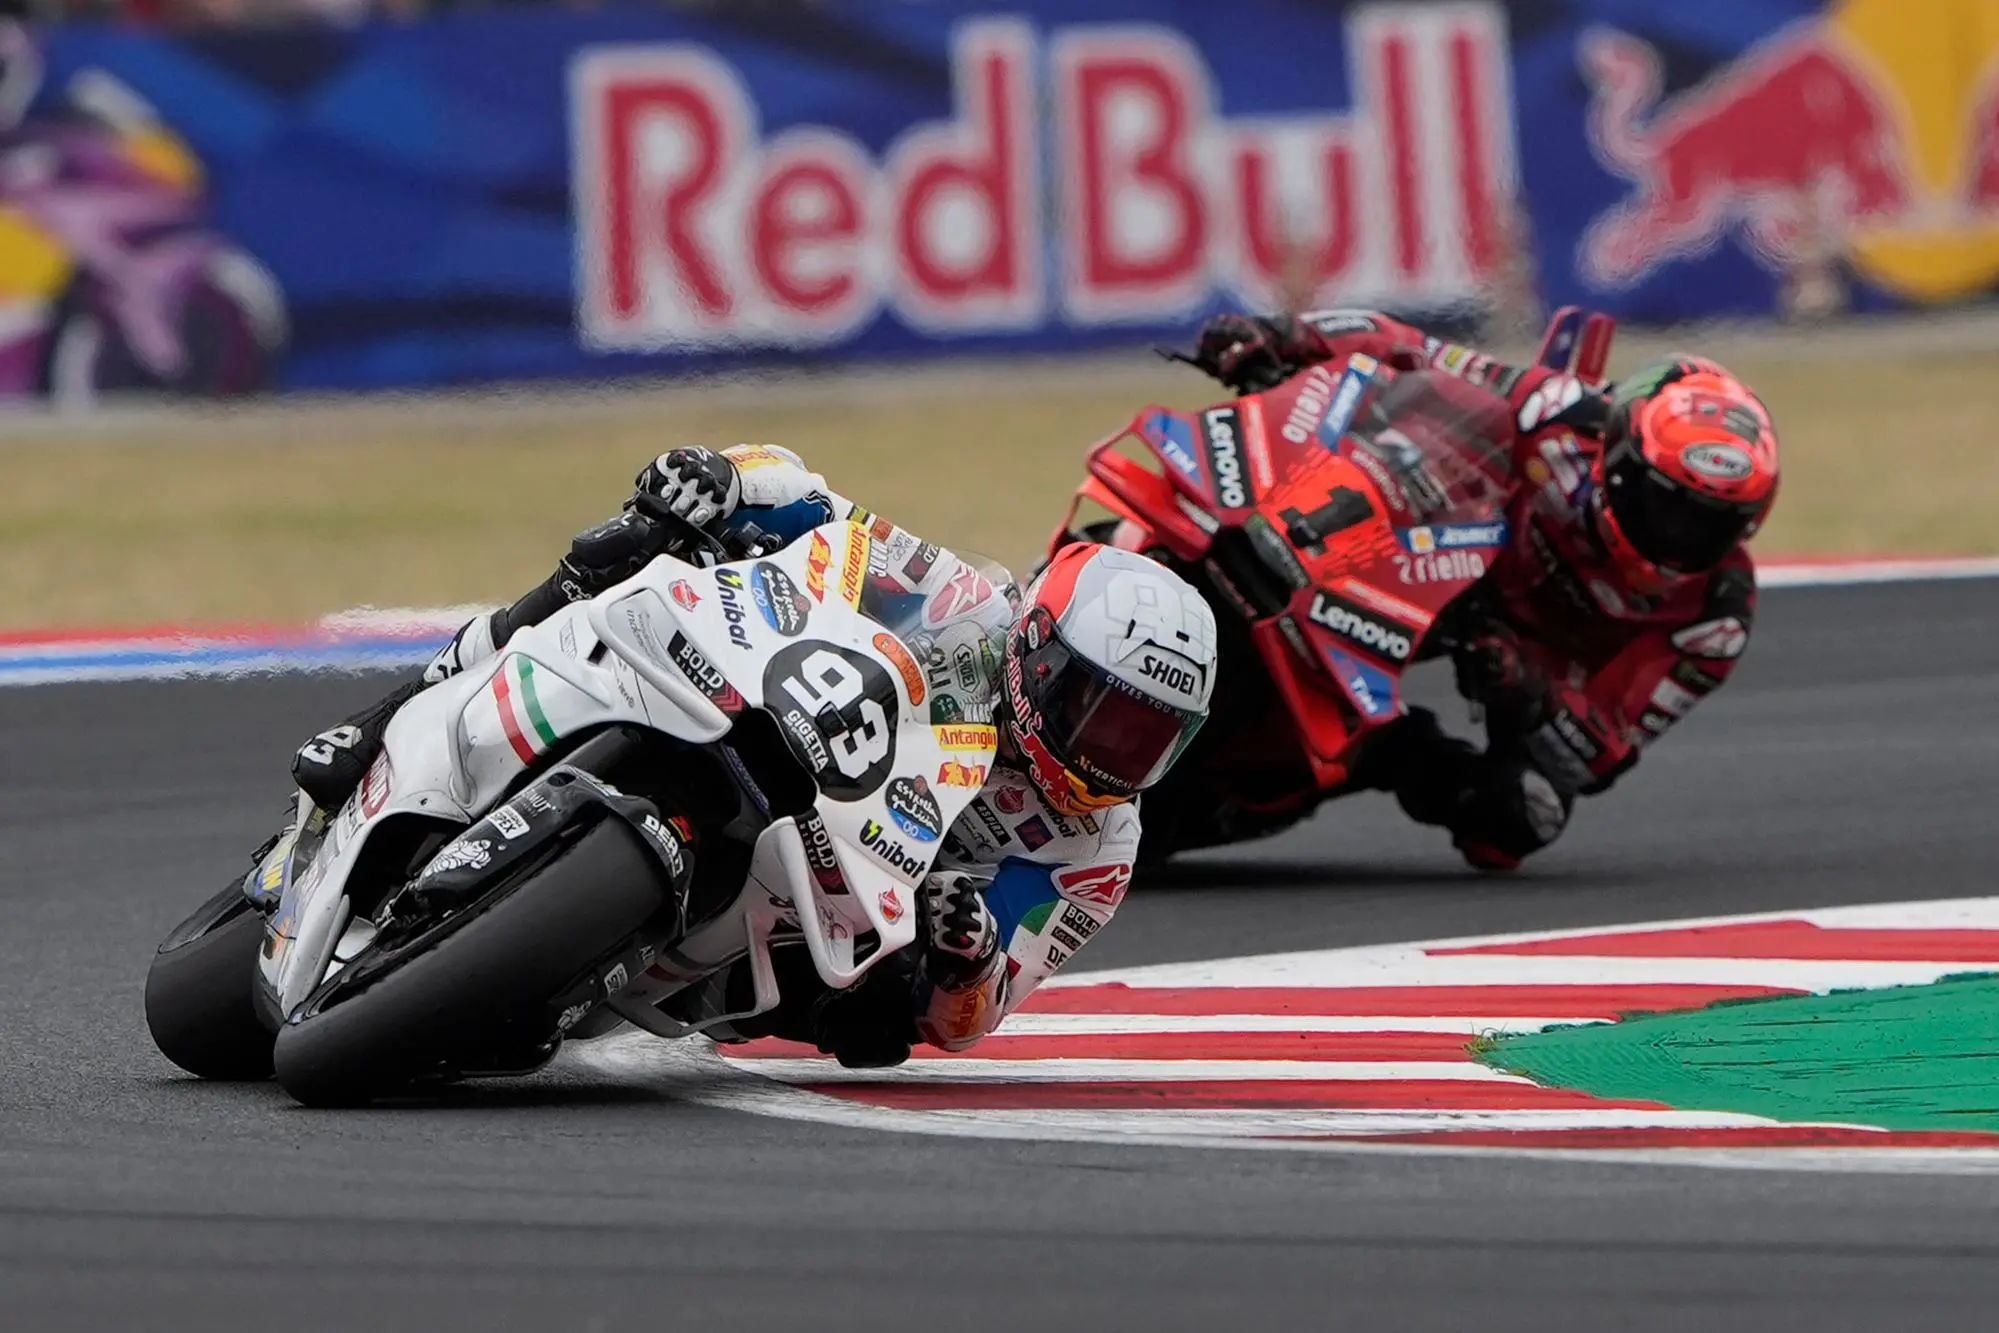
(1357, 626)
(1176, 678)
(1224, 431)
(1724, 462)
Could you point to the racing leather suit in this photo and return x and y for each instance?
(1612, 668)
(1047, 881)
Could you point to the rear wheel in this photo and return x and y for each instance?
(485, 980)
(200, 1004)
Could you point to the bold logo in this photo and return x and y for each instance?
(705, 675)
(730, 584)
(1353, 624)
(1724, 462)
(778, 599)
(914, 809)
(1176, 678)
(819, 854)
(1102, 885)
(966, 736)
(955, 774)
(1717, 640)
(875, 838)
(818, 556)
(683, 593)
(1223, 428)
(905, 666)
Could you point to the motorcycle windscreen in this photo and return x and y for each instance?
(1447, 443)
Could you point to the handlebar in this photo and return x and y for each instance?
(743, 541)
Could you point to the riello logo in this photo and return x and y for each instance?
(1101, 148)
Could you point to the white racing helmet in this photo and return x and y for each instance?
(1108, 675)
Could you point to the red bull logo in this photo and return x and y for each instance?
(1867, 135)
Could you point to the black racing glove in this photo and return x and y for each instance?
(1492, 670)
(1252, 353)
(963, 933)
(696, 483)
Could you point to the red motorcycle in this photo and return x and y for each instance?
(1340, 525)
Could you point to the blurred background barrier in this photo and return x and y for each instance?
(217, 195)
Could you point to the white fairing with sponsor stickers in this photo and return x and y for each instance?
(686, 651)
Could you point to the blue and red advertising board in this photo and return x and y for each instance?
(533, 192)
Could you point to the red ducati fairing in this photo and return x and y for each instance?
(1330, 522)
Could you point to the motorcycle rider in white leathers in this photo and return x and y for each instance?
(1096, 679)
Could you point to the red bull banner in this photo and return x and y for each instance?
(1790, 158)
(550, 191)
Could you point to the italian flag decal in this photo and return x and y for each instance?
(1831, 1036)
(521, 718)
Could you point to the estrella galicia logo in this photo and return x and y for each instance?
(1173, 437)
(914, 809)
(782, 605)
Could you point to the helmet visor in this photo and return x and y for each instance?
(1117, 738)
(1668, 524)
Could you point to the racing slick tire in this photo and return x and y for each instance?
(200, 997)
(483, 979)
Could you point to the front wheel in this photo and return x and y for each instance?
(484, 980)
(200, 1004)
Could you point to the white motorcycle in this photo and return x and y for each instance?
(705, 793)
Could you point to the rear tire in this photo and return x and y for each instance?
(200, 1004)
(497, 967)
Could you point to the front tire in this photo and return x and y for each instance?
(200, 998)
(486, 976)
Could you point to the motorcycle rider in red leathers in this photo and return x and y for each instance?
(1626, 595)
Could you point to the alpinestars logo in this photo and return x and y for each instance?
(1223, 427)
(1358, 627)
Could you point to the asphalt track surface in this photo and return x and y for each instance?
(1852, 761)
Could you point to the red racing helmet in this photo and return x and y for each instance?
(1687, 474)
